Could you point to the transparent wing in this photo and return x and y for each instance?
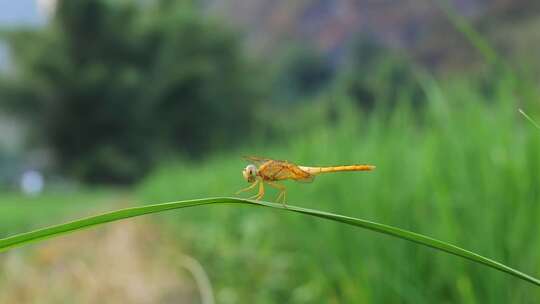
(306, 180)
(302, 176)
(257, 159)
(281, 170)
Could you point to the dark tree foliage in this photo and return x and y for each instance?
(376, 76)
(112, 85)
(303, 73)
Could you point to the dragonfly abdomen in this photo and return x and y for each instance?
(319, 170)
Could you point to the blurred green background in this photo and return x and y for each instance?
(110, 103)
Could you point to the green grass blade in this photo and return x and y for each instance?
(529, 118)
(463, 26)
(52, 231)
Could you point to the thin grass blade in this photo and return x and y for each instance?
(529, 118)
(57, 230)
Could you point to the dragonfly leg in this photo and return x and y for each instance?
(248, 188)
(261, 192)
(282, 192)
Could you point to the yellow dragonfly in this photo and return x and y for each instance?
(269, 171)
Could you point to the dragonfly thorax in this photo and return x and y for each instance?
(250, 173)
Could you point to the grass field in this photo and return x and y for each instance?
(20, 213)
(465, 170)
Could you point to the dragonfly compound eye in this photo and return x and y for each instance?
(250, 172)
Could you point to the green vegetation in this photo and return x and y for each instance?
(302, 74)
(19, 213)
(112, 86)
(466, 173)
(108, 217)
(463, 169)
(392, 78)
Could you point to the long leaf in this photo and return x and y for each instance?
(52, 231)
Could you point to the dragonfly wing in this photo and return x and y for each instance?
(271, 169)
(256, 159)
(302, 176)
(291, 171)
(306, 180)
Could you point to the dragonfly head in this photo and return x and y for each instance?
(250, 173)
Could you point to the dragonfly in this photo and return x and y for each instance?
(270, 171)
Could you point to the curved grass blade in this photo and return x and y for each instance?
(53, 231)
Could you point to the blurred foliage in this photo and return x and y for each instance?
(375, 75)
(112, 85)
(302, 73)
(468, 175)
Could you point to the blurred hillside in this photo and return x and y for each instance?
(421, 27)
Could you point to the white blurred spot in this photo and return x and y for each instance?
(46, 7)
(32, 182)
